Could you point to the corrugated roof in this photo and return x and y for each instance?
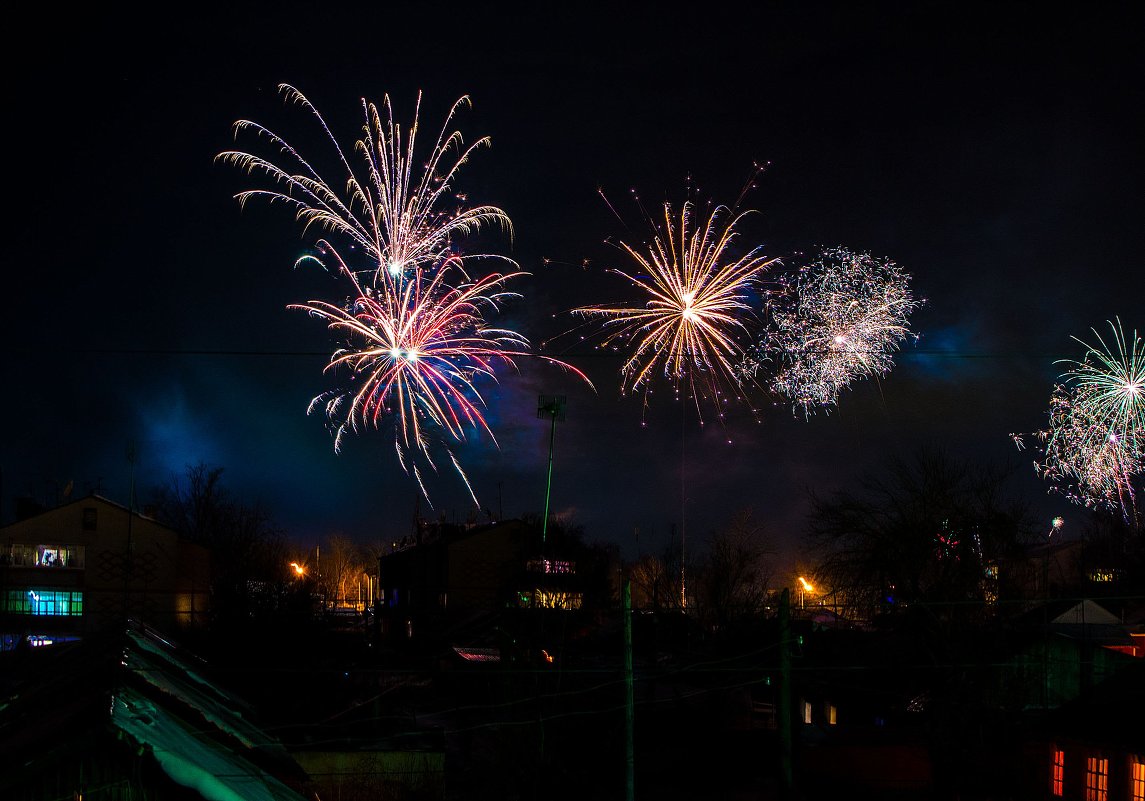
(193, 729)
(191, 758)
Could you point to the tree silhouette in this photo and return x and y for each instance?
(734, 572)
(924, 530)
(246, 547)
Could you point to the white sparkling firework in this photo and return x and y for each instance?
(698, 294)
(836, 320)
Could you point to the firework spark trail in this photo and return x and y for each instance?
(386, 210)
(415, 338)
(1083, 461)
(698, 293)
(836, 320)
(414, 356)
(1093, 450)
(1110, 382)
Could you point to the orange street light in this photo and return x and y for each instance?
(299, 570)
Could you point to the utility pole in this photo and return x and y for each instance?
(552, 407)
(1055, 525)
(786, 774)
(629, 699)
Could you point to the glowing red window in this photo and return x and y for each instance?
(1096, 779)
(1058, 772)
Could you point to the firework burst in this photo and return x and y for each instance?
(414, 339)
(392, 207)
(834, 321)
(1093, 450)
(412, 357)
(1110, 383)
(697, 293)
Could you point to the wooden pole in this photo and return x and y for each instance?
(629, 700)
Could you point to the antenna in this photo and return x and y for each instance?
(552, 407)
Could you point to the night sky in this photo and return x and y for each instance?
(996, 154)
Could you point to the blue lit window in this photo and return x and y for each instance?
(44, 602)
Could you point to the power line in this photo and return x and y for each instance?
(595, 353)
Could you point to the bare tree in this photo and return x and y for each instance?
(922, 530)
(342, 566)
(246, 547)
(734, 572)
(652, 585)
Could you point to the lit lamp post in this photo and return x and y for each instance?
(299, 570)
(804, 587)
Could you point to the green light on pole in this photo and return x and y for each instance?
(552, 407)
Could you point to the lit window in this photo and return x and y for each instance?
(1137, 781)
(1058, 772)
(550, 566)
(59, 556)
(47, 556)
(551, 599)
(44, 602)
(1096, 779)
(831, 715)
(806, 711)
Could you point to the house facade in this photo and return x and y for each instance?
(91, 563)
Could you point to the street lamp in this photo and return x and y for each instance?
(299, 570)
